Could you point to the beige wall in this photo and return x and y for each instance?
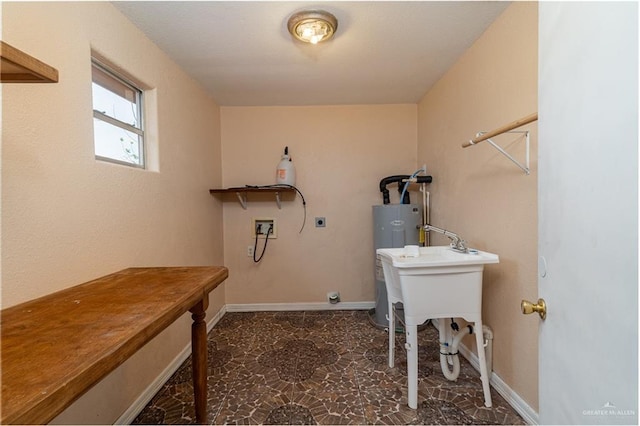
(479, 193)
(340, 154)
(67, 218)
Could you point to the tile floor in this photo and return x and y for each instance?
(321, 367)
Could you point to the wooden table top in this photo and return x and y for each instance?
(56, 347)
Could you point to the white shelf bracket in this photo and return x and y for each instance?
(524, 167)
(278, 201)
(242, 198)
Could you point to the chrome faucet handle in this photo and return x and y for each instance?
(458, 244)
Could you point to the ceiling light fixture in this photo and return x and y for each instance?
(312, 26)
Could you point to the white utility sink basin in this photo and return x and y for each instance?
(437, 256)
(437, 283)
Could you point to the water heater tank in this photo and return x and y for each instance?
(394, 226)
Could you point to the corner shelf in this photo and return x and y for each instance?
(19, 67)
(242, 191)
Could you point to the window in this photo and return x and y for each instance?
(118, 133)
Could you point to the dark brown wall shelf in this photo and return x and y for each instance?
(242, 191)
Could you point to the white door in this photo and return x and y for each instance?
(588, 212)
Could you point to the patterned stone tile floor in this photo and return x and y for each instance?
(321, 367)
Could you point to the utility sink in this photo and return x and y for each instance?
(442, 282)
(437, 256)
(435, 282)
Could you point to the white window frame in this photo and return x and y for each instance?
(138, 130)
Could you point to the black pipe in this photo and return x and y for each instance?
(424, 179)
(386, 181)
(399, 178)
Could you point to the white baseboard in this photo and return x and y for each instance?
(138, 405)
(528, 414)
(319, 306)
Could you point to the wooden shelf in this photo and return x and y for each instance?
(19, 67)
(241, 193)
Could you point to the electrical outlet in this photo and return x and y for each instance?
(249, 251)
(261, 225)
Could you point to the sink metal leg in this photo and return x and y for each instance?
(412, 364)
(392, 335)
(484, 374)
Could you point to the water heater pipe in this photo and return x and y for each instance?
(388, 180)
(399, 179)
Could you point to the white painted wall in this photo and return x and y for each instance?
(588, 212)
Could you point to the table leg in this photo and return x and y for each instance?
(199, 358)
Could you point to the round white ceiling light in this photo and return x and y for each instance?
(312, 26)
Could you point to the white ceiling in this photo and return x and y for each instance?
(384, 52)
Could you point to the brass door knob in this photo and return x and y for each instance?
(529, 308)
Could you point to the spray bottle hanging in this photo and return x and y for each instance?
(286, 172)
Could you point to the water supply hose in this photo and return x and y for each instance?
(406, 185)
(266, 241)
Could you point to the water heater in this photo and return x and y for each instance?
(394, 226)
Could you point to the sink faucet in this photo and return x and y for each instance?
(457, 243)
